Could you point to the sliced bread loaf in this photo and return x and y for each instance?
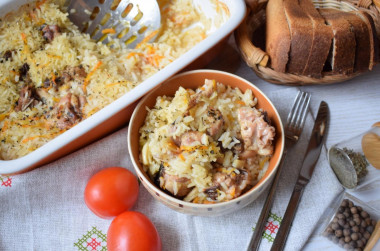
(277, 35)
(362, 38)
(321, 42)
(301, 33)
(342, 58)
(373, 40)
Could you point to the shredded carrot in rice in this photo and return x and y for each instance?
(47, 136)
(89, 75)
(240, 102)
(23, 37)
(147, 38)
(131, 54)
(40, 3)
(54, 56)
(181, 157)
(196, 200)
(5, 126)
(232, 192)
(117, 83)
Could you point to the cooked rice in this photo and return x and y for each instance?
(166, 160)
(111, 72)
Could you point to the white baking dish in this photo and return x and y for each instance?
(119, 112)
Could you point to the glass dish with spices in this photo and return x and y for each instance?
(351, 224)
(356, 161)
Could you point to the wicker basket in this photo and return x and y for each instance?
(250, 37)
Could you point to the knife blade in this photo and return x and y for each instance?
(308, 165)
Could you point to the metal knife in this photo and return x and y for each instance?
(310, 160)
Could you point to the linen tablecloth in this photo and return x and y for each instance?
(44, 209)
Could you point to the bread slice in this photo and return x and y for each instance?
(344, 45)
(301, 33)
(277, 35)
(362, 38)
(322, 39)
(374, 43)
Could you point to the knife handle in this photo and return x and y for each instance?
(257, 235)
(283, 231)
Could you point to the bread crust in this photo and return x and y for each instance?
(362, 38)
(344, 44)
(277, 35)
(374, 43)
(322, 39)
(301, 29)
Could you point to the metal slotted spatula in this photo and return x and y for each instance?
(130, 21)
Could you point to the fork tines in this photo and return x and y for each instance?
(297, 114)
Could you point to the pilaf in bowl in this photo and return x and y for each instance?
(205, 142)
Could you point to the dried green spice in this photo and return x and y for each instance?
(349, 166)
(359, 162)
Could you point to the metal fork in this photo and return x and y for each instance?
(293, 129)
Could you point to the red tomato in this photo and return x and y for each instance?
(133, 231)
(111, 191)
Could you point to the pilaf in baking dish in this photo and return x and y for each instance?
(208, 145)
(52, 76)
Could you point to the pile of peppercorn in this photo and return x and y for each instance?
(351, 226)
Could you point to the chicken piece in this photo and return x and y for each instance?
(69, 111)
(50, 32)
(191, 138)
(28, 98)
(206, 90)
(44, 95)
(257, 134)
(233, 183)
(215, 122)
(178, 186)
(77, 73)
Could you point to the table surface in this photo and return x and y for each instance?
(354, 107)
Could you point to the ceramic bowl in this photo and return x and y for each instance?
(193, 80)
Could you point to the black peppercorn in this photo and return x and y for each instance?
(358, 221)
(335, 226)
(347, 239)
(351, 227)
(369, 229)
(353, 244)
(359, 244)
(364, 214)
(346, 232)
(366, 235)
(344, 203)
(354, 210)
(338, 233)
(354, 236)
(342, 222)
